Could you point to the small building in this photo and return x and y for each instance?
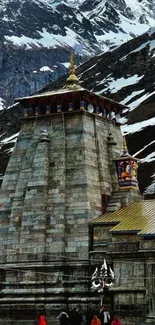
(66, 173)
(125, 236)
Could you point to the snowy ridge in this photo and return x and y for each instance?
(37, 52)
(88, 26)
(97, 25)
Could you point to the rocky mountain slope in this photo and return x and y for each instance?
(126, 74)
(32, 57)
(36, 37)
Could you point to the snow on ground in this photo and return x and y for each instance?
(66, 64)
(16, 104)
(139, 7)
(13, 138)
(148, 145)
(138, 101)
(46, 40)
(46, 68)
(132, 95)
(148, 158)
(115, 85)
(134, 103)
(136, 127)
(127, 30)
(150, 44)
(150, 189)
(2, 103)
(53, 3)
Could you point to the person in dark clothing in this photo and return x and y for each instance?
(84, 321)
(75, 318)
(89, 315)
(64, 318)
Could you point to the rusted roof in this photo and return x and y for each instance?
(139, 217)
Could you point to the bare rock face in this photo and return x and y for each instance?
(24, 72)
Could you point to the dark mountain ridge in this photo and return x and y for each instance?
(42, 33)
(125, 74)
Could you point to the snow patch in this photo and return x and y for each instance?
(136, 127)
(148, 145)
(150, 189)
(13, 138)
(66, 64)
(132, 95)
(115, 85)
(46, 68)
(138, 101)
(148, 158)
(47, 40)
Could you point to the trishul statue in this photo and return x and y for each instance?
(102, 278)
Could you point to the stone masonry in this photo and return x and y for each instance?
(53, 187)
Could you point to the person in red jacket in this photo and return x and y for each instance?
(116, 321)
(42, 320)
(95, 321)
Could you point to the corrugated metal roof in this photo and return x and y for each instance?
(139, 217)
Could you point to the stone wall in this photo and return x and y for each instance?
(133, 261)
(52, 188)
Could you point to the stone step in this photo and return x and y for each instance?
(113, 207)
(114, 200)
(117, 193)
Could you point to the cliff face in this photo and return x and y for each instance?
(24, 72)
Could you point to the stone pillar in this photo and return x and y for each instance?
(112, 154)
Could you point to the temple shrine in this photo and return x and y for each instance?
(70, 98)
(62, 200)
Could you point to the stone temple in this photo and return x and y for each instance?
(67, 172)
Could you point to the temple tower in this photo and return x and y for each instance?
(58, 179)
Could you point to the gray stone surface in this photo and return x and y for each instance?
(50, 192)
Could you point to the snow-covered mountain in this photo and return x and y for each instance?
(36, 37)
(96, 24)
(127, 74)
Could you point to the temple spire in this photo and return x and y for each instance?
(72, 80)
(125, 148)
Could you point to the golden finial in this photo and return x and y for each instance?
(72, 68)
(72, 79)
(125, 148)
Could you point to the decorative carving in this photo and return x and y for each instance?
(102, 278)
(127, 168)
